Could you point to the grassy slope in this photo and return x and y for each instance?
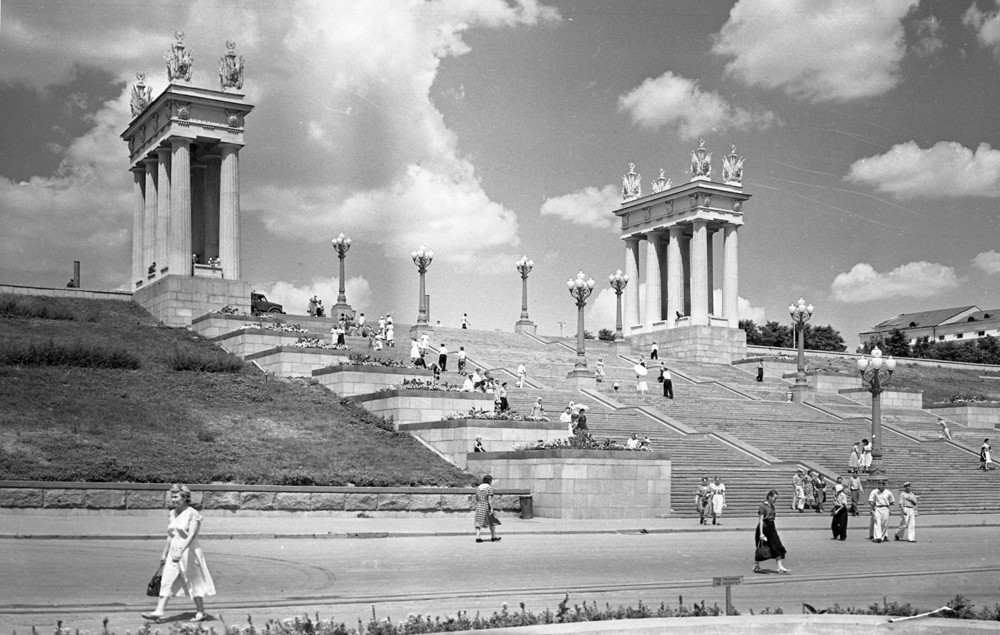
(159, 425)
(937, 383)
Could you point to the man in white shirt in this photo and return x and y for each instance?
(522, 372)
(443, 358)
(633, 442)
(567, 418)
(881, 501)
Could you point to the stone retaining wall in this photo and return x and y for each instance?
(974, 416)
(413, 406)
(579, 484)
(247, 499)
(708, 344)
(909, 399)
(455, 438)
(65, 292)
(176, 300)
(351, 380)
(243, 342)
(292, 361)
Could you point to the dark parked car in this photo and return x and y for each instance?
(259, 304)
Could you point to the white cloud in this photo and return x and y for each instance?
(834, 51)
(755, 313)
(986, 25)
(946, 170)
(295, 298)
(988, 262)
(677, 101)
(913, 280)
(601, 311)
(590, 206)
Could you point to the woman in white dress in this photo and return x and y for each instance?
(184, 569)
(718, 500)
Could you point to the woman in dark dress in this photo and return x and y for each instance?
(766, 534)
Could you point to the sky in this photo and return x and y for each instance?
(491, 129)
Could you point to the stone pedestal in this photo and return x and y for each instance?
(177, 300)
(698, 343)
(801, 392)
(524, 326)
(341, 309)
(582, 378)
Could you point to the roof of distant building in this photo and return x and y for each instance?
(934, 317)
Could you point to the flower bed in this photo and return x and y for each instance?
(412, 406)
(455, 438)
(493, 415)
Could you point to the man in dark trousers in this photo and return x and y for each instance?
(760, 370)
(668, 386)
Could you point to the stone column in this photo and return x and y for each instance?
(180, 208)
(149, 220)
(198, 212)
(229, 211)
(699, 272)
(710, 272)
(138, 224)
(162, 208)
(652, 279)
(686, 272)
(632, 290)
(212, 168)
(675, 283)
(731, 277)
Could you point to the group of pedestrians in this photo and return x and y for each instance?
(808, 491)
(575, 419)
(710, 499)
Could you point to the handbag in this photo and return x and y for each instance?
(153, 588)
(763, 551)
(492, 519)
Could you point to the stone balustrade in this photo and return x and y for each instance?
(973, 415)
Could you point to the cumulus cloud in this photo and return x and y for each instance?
(672, 100)
(835, 51)
(987, 262)
(919, 279)
(745, 311)
(946, 170)
(294, 298)
(590, 206)
(601, 311)
(985, 24)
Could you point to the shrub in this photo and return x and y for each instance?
(606, 335)
(28, 308)
(207, 362)
(76, 354)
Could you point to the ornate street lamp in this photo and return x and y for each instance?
(800, 314)
(580, 288)
(422, 258)
(341, 244)
(524, 266)
(875, 374)
(618, 281)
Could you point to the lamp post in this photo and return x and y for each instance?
(580, 289)
(618, 281)
(561, 325)
(422, 258)
(875, 374)
(800, 314)
(341, 244)
(524, 266)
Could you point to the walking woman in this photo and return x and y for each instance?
(866, 456)
(184, 568)
(839, 523)
(703, 499)
(766, 535)
(857, 491)
(484, 509)
(854, 462)
(718, 500)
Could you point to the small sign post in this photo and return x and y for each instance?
(728, 582)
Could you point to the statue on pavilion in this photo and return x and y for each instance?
(179, 60)
(732, 169)
(701, 163)
(631, 184)
(662, 183)
(231, 68)
(141, 94)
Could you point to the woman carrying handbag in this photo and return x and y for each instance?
(766, 535)
(484, 510)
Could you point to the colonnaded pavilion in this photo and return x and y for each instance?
(184, 147)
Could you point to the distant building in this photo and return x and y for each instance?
(941, 325)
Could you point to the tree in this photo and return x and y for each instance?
(823, 338)
(606, 335)
(896, 344)
(989, 349)
(752, 331)
(775, 334)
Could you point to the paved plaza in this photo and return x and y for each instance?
(80, 569)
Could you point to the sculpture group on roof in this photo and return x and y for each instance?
(180, 63)
(701, 170)
(141, 94)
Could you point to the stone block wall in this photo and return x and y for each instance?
(246, 500)
(909, 399)
(708, 344)
(985, 416)
(455, 438)
(65, 292)
(360, 380)
(177, 300)
(244, 342)
(577, 484)
(290, 361)
(412, 406)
